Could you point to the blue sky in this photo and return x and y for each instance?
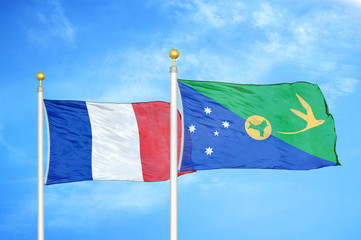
(117, 51)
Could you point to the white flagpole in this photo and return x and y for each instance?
(40, 76)
(173, 148)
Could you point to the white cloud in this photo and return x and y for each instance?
(353, 2)
(215, 14)
(348, 85)
(13, 150)
(306, 41)
(338, 88)
(286, 38)
(83, 204)
(341, 87)
(268, 16)
(189, 179)
(19, 218)
(86, 204)
(53, 24)
(210, 188)
(304, 34)
(135, 75)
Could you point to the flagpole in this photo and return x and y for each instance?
(40, 76)
(173, 148)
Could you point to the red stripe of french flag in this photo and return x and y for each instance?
(154, 136)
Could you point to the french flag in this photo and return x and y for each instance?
(108, 141)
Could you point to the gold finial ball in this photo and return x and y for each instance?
(40, 76)
(173, 53)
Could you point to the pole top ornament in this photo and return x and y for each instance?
(40, 76)
(173, 54)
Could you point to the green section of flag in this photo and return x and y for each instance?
(274, 102)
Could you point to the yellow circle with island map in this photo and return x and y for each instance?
(258, 127)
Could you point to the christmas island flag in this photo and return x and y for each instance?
(281, 126)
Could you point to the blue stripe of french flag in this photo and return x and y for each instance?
(108, 141)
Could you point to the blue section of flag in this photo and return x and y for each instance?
(70, 142)
(215, 137)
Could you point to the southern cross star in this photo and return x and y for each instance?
(225, 124)
(216, 133)
(192, 128)
(207, 110)
(209, 150)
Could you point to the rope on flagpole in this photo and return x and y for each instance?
(40, 76)
(173, 148)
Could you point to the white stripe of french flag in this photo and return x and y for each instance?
(108, 141)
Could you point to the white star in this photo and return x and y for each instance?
(207, 110)
(216, 133)
(225, 124)
(209, 150)
(192, 128)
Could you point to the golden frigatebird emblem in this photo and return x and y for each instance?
(308, 117)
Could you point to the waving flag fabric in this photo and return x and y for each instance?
(108, 141)
(282, 126)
